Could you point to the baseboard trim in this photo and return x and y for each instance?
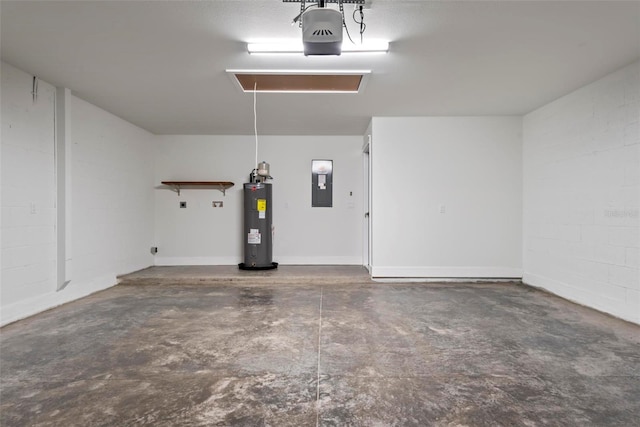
(323, 260)
(181, 261)
(447, 272)
(73, 291)
(581, 296)
(282, 260)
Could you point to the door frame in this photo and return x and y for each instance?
(366, 213)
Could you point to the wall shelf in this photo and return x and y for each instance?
(218, 185)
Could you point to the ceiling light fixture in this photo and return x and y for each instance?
(296, 47)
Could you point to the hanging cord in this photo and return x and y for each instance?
(255, 120)
(303, 9)
(344, 24)
(34, 89)
(363, 26)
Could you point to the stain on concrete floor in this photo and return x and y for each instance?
(300, 354)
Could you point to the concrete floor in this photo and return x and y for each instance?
(317, 346)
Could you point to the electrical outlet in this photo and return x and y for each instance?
(217, 204)
(154, 250)
(183, 205)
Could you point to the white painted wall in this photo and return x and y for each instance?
(470, 165)
(28, 188)
(201, 234)
(582, 193)
(111, 191)
(580, 223)
(111, 195)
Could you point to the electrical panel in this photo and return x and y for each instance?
(322, 183)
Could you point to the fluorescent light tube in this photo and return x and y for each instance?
(373, 46)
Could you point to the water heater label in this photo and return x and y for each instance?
(262, 208)
(254, 237)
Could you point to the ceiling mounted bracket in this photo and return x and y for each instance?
(328, 1)
(320, 3)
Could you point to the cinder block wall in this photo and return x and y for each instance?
(581, 195)
(111, 218)
(28, 188)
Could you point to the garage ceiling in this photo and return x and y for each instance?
(161, 64)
